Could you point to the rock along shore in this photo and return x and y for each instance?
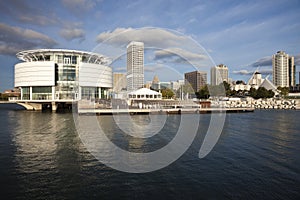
(260, 103)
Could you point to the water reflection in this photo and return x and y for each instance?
(140, 126)
(36, 141)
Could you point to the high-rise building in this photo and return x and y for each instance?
(292, 71)
(119, 82)
(283, 69)
(196, 79)
(135, 66)
(218, 74)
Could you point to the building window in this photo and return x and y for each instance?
(67, 60)
(59, 59)
(89, 92)
(25, 93)
(41, 93)
(74, 60)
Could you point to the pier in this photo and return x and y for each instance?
(163, 111)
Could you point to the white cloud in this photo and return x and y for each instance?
(243, 72)
(247, 72)
(265, 61)
(72, 33)
(165, 45)
(14, 39)
(178, 55)
(150, 36)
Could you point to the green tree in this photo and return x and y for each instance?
(261, 92)
(284, 91)
(203, 93)
(227, 88)
(252, 92)
(167, 93)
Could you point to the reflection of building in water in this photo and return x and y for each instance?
(36, 141)
(57, 75)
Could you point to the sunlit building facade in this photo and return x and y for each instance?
(62, 75)
(218, 74)
(283, 69)
(196, 79)
(135, 66)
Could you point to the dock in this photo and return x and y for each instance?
(163, 111)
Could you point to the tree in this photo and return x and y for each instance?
(284, 91)
(167, 93)
(252, 92)
(203, 93)
(261, 92)
(227, 88)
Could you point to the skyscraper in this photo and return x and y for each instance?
(292, 71)
(196, 79)
(283, 69)
(135, 66)
(218, 74)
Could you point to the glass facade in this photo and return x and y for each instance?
(65, 85)
(25, 93)
(42, 93)
(89, 92)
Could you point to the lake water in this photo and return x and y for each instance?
(256, 157)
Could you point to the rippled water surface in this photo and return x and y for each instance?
(256, 157)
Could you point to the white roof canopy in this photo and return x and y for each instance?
(144, 93)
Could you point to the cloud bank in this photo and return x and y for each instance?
(14, 39)
(151, 37)
(72, 33)
(245, 72)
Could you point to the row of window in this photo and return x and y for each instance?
(141, 96)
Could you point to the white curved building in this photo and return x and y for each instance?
(60, 75)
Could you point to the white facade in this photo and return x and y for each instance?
(218, 74)
(241, 87)
(144, 94)
(62, 75)
(256, 80)
(135, 66)
(283, 69)
(39, 73)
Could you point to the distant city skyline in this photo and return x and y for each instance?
(241, 34)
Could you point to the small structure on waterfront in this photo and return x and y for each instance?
(144, 94)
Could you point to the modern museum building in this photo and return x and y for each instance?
(54, 76)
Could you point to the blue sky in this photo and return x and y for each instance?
(239, 34)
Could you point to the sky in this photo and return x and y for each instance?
(243, 35)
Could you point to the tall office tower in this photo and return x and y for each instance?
(292, 71)
(135, 66)
(283, 69)
(196, 79)
(218, 74)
